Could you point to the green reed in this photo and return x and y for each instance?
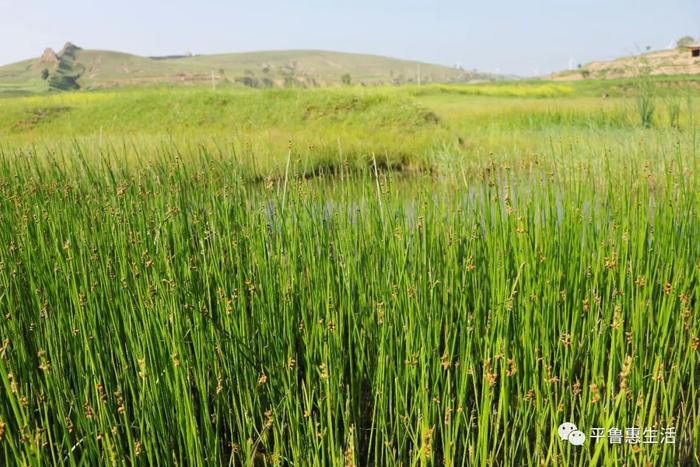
(176, 312)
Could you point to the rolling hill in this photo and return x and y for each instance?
(676, 61)
(74, 67)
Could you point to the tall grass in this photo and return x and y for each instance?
(646, 94)
(165, 311)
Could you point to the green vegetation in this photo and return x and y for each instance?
(435, 275)
(646, 99)
(67, 72)
(685, 41)
(506, 89)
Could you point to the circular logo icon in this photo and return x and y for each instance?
(577, 438)
(565, 429)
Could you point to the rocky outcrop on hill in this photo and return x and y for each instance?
(49, 57)
(676, 61)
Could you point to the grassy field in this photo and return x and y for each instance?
(436, 275)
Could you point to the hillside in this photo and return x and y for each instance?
(676, 61)
(74, 68)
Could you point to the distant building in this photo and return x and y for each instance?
(694, 50)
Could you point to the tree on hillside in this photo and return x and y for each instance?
(346, 79)
(685, 41)
(45, 74)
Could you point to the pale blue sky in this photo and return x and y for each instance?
(507, 36)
